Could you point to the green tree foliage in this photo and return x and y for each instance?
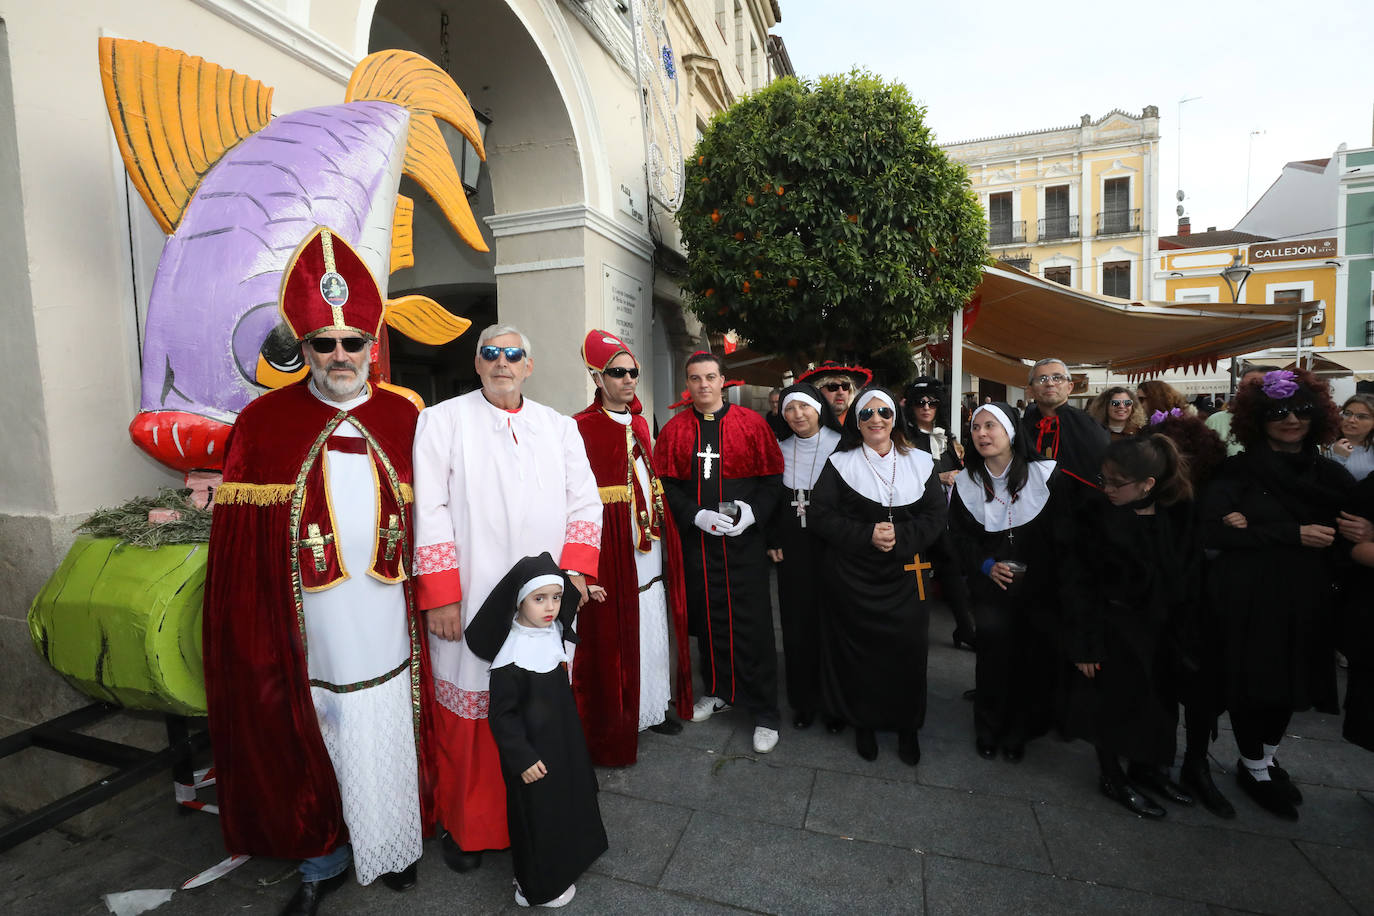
(822, 221)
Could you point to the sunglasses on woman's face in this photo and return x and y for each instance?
(1300, 412)
(867, 413)
(622, 371)
(927, 402)
(323, 345)
(1122, 402)
(492, 354)
(833, 387)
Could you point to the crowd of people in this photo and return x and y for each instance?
(441, 620)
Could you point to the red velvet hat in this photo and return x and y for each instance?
(327, 287)
(861, 375)
(600, 347)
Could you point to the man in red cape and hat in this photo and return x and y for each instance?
(621, 673)
(722, 475)
(316, 661)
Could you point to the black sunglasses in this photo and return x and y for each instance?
(867, 413)
(833, 387)
(622, 371)
(323, 345)
(1301, 411)
(927, 402)
(492, 354)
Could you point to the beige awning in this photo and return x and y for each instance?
(1022, 316)
(1358, 363)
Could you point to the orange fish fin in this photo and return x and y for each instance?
(422, 319)
(404, 392)
(174, 116)
(402, 234)
(426, 91)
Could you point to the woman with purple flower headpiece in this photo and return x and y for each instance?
(1273, 514)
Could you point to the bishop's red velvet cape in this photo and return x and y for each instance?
(277, 792)
(606, 670)
(747, 444)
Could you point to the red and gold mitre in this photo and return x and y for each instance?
(600, 347)
(327, 287)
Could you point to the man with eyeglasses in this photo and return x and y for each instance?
(1057, 430)
(839, 384)
(498, 477)
(621, 674)
(722, 474)
(316, 671)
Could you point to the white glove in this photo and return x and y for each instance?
(713, 522)
(746, 518)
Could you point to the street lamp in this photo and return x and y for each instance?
(1235, 276)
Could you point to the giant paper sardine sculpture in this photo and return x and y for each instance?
(236, 190)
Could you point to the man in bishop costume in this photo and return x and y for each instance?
(622, 675)
(498, 477)
(316, 665)
(722, 471)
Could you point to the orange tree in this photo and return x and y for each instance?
(822, 221)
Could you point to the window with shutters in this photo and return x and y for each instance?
(1055, 225)
(1116, 279)
(1062, 275)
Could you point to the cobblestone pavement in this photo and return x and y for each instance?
(701, 824)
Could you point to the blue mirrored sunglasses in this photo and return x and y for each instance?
(492, 354)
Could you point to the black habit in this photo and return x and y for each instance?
(874, 622)
(1357, 633)
(1071, 437)
(1275, 595)
(1019, 658)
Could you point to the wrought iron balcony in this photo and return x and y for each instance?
(1058, 227)
(1118, 222)
(1008, 233)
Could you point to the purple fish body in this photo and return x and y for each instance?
(214, 299)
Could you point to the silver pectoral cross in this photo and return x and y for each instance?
(706, 455)
(800, 503)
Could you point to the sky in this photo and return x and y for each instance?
(1303, 73)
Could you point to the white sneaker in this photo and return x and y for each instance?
(561, 900)
(706, 706)
(765, 739)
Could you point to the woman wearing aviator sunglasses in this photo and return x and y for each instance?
(877, 505)
(1273, 514)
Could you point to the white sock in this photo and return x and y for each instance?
(1269, 751)
(1259, 769)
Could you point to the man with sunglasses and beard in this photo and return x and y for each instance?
(498, 477)
(839, 384)
(722, 476)
(316, 668)
(621, 674)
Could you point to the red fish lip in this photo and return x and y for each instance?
(180, 440)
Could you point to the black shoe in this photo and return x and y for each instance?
(668, 726)
(909, 747)
(970, 694)
(803, 718)
(306, 900)
(965, 640)
(866, 743)
(1268, 794)
(456, 858)
(1279, 775)
(1130, 798)
(1196, 778)
(1157, 780)
(986, 749)
(834, 725)
(402, 880)
(1014, 753)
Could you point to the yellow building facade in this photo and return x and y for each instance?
(1288, 270)
(1073, 204)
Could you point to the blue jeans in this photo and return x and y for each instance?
(320, 868)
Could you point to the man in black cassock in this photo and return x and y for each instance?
(721, 471)
(1053, 429)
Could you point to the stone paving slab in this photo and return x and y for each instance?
(955, 887)
(775, 869)
(1257, 873)
(643, 836)
(943, 821)
(1350, 871)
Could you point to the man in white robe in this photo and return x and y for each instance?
(498, 477)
